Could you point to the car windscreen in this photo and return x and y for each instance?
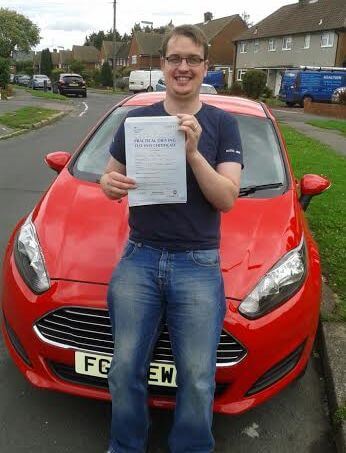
(263, 162)
(72, 79)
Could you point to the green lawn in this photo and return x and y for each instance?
(47, 95)
(25, 117)
(326, 213)
(339, 125)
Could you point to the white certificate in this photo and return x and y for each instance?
(156, 160)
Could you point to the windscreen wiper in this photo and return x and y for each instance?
(252, 189)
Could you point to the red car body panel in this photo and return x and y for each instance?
(82, 234)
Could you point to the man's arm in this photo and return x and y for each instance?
(221, 186)
(113, 182)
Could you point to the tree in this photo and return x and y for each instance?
(254, 82)
(246, 18)
(25, 67)
(96, 39)
(106, 75)
(4, 72)
(46, 62)
(16, 32)
(77, 66)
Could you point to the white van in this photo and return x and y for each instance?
(141, 80)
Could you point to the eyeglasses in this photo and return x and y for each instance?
(191, 60)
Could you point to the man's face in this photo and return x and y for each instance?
(183, 80)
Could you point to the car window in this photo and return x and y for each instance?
(263, 162)
(69, 79)
(93, 159)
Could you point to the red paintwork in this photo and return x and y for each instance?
(314, 184)
(82, 234)
(57, 161)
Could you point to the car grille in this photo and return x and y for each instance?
(90, 329)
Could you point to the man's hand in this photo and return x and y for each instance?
(114, 183)
(192, 129)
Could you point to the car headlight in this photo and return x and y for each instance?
(29, 258)
(277, 285)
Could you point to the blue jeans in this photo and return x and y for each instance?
(185, 289)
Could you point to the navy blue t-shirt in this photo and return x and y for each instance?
(195, 224)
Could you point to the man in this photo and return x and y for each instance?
(170, 266)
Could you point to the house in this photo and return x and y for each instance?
(220, 34)
(307, 33)
(88, 55)
(144, 52)
(121, 53)
(65, 59)
(55, 59)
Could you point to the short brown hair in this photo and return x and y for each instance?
(190, 31)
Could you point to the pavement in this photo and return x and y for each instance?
(331, 338)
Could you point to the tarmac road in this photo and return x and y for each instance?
(36, 421)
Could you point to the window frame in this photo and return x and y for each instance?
(271, 45)
(256, 45)
(240, 73)
(330, 36)
(243, 47)
(287, 42)
(309, 40)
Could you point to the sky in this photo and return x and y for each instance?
(64, 23)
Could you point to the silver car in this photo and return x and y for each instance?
(38, 82)
(339, 95)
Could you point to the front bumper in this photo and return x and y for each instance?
(278, 345)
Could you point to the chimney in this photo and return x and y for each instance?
(208, 16)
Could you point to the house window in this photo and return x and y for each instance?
(256, 45)
(327, 39)
(134, 59)
(287, 43)
(307, 41)
(271, 45)
(243, 47)
(240, 74)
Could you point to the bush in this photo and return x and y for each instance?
(122, 84)
(77, 67)
(267, 92)
(55, 74)
(236, 89)
(254, 83)
(106, 75)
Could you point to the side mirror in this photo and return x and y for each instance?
(57, 160)
(311, 185)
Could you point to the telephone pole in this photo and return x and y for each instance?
(114, 40)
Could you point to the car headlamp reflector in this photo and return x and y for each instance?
(29, 258)
(279, 284)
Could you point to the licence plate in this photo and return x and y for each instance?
(73, 84)
(163, 374)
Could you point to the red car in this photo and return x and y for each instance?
(60, 258)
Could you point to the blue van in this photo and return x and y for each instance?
(215, 78)
(314, 84)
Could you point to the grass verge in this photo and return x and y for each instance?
(47, 95)
(273, 102)
(326, 213)
(338, 125)
(25, 117)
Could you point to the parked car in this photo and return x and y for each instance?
(60, 258)
(298, 85)
(205, 87)
(339, 95)
(23, 80)
(70, 84)
(38, 81)
(142, 80)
